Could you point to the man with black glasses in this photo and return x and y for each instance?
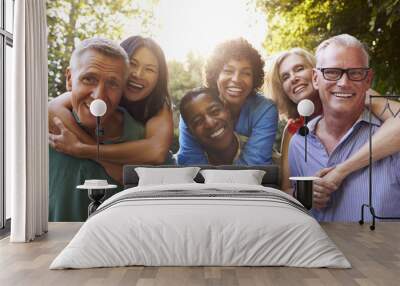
(342, 78)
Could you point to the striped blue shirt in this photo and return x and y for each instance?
(345, 203)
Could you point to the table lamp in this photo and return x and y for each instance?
(98, 108)
(305, 109)
(96, 188)
(304, 185)
(369, 205)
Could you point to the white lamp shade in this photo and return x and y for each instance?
(98, 107)
(305, 107)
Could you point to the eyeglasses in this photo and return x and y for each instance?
(354, 74)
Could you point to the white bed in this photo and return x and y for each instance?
(201, 224)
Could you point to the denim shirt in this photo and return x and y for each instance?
(258, 121)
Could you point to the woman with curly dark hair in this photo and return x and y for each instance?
(236, 69)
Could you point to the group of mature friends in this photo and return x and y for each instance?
(227, 121)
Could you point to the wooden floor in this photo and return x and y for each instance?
(374, 255)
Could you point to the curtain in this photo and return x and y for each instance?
(26, 119)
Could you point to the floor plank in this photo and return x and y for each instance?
(374, 255)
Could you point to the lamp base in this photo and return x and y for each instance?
(96, 197)
(374, 216)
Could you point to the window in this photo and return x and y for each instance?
(6, 45)
(9, 15)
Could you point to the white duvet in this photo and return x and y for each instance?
(206, 230)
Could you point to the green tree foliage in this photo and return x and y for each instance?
(305, 23)
(70, 21)
(183, 77)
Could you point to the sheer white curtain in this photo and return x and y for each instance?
(26, 119)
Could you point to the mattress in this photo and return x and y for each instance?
(201, 225)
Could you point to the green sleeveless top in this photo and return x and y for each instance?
(66, 203)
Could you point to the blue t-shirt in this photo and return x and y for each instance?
(258, 121)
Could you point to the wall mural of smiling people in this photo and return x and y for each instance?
(146, 99)
(97, 71)
(210, 123)
(288, 81)
(235, 69)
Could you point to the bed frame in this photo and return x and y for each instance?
(270, 179)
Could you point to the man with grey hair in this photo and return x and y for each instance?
(98, 70)
(342, 77)
(101, 45)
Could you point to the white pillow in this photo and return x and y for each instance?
(248, 177)
(163, 176)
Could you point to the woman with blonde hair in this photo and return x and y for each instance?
(274, 85)
(289, 80)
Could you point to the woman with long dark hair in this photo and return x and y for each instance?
(147, 100)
